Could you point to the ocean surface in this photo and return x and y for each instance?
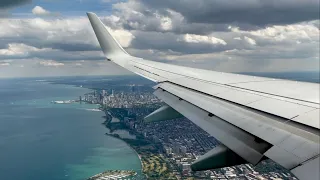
(40, 140)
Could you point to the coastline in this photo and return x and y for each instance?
(139, 156)
(153, 164)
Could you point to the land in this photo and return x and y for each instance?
(113, 174)
(166, 148)
(154, 166)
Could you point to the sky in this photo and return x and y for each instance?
(54, 37)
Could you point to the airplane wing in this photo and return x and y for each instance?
(253, 117)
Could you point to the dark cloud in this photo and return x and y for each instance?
(12, 3)
(136, 16)
(258, 12)
(74, 47)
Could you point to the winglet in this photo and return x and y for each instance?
(109, 45)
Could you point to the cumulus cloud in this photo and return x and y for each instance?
(38, 10)
(15, 49)
(56, 39)
(134, 15)
(124, 37)
(193, 38)
(250, 40)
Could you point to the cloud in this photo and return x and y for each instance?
(38, 10)
(58, 39)
(51, 63)
(134, 15)
(219, 35)
(5, 64)
(250, 40)
(193, 38)
(38, 67)
(255, 12)
(12, 3)
(22, 51)
(124, 37)
(181, 44)
(18, 50)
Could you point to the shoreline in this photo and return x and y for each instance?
(110, 135)
(139, 156)
(153, 164)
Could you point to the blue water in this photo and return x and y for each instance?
(44, 141)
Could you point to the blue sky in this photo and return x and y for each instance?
(55, 38)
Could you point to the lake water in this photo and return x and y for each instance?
(44, 141)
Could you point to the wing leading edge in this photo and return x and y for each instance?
(254, 117)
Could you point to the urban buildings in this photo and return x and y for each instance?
(182, 141)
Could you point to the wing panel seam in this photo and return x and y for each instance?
(228, 84)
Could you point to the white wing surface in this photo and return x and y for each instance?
(254, 117)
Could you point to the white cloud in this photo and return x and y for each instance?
(5, 64)
(193, 38)
(38, 10)
(250, 40)
(51, 63)
(289, 32)
(166, 23)
(124, 37)
(19, 49)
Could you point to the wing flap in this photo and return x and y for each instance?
(234, 138)
(271, 129)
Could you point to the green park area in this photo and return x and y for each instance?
(154, 165)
